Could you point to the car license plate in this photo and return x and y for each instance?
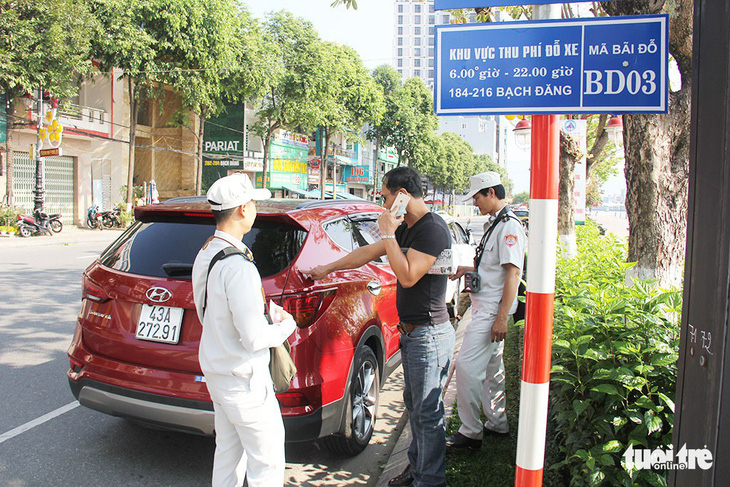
(159, 324)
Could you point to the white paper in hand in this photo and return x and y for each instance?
(275, 312)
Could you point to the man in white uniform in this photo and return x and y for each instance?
(479, 366)
(235, 342)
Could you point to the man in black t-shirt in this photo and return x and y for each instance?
(412, 243)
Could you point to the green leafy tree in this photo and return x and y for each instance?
(122, 40)
(347, 96)
(197, 44)
(409, 120)
(388, 79)
(288, 98)
(42, 46)
(522, 198)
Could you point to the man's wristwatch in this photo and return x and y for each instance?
(387, 236)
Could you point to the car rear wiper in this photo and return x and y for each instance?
(178, 269)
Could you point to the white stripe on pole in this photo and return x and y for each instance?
(542, 246)
(533, 424)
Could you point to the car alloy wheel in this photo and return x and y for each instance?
(364, 400)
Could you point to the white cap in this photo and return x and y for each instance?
(481, 181)
(234, 191)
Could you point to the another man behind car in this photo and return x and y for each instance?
(412, 242)
(235, 342)
(479, 365)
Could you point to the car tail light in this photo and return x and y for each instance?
(292, 399)
(307, 308)
(93, 291)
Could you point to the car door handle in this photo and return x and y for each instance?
(374, 287)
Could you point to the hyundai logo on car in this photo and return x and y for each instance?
(158, 294)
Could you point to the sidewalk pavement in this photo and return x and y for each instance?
(399, 456)
(69, 235)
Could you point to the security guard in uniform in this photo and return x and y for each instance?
(479, 366)
(235, 342)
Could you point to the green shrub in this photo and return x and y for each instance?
(9, 215)
(614, 364)
(125, 216)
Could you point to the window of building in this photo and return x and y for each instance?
(430, 73)
(430, 31)
(430, 51)
(400, 19)
(417, 41)
(417, 63)
(400, 51)
(400, 9)
(400, 72)
(431, 19)
(400, 31)
(430, 62)
(464, 125)
(445, 19)
(430, 8)
(417, 72)
(417, 8)
(400, 41)
(482, 126)
(417, 31)
(400, 63)
(417, 51)
(430, 41)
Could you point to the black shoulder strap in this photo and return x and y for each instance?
(227, 252)
(502, 216)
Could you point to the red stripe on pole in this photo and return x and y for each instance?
(528, 478)
(545, 157)
(538, 338)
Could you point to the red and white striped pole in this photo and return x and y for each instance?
(542, 248)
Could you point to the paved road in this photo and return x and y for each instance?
(46, 439)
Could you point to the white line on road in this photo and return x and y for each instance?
(38, 421)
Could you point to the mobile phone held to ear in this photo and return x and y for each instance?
(399, 205)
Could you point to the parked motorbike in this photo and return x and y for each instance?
(38, 224)
(94, 218)
(111, 219)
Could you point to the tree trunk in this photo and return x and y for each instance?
(570, 153)
(323, 163)
(199, 168)
(9, 195)
(265, 167)
(657, 159)
(133, 108)
(376, 168)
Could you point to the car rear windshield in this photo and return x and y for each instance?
(168, 248)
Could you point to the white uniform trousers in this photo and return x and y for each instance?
(249, 434)
(480, 378)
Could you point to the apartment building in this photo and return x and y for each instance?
(414, 54)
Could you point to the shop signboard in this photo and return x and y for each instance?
(357, 174)
(596, 65)
(223, 145)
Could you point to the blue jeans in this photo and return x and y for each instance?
(426, 354)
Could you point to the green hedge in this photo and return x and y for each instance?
(614, 364)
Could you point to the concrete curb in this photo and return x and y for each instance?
(399, 456)
(69, 235)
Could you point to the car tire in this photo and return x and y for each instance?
(56, 226)
(361, 406)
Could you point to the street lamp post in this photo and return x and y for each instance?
(40, 168)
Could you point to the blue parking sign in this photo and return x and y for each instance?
(597, 65)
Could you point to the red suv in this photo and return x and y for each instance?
(135, 350)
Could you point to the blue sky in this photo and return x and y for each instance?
(369, 29)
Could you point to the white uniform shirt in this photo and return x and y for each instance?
(236, 335)
(506, 245)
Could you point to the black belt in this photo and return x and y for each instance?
(406, 328)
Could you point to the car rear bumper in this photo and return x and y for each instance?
(191, 416)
